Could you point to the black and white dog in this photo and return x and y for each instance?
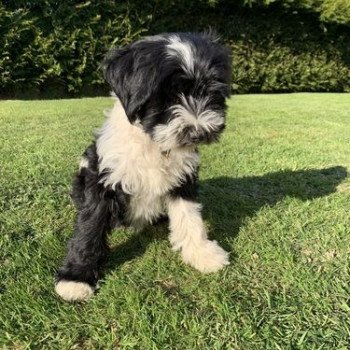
(171, 92)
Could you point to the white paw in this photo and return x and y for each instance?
(74, 291)
(207, 257)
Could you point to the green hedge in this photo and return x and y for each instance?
(337, 11)
(51, 48)
(55, 47)
(284, 53)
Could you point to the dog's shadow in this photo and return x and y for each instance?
(228, 202)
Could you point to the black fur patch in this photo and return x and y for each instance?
(100, 209)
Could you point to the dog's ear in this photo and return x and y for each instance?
(133, 72)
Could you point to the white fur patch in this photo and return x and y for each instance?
(84, 163)
(73, 291)
(188, 234)
(138, 163)
(183, 50)
(166, 134)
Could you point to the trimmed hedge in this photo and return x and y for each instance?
(337, 11)
(53, 49)
(289, 53)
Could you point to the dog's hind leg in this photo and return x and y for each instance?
(98, 209)
(188, 233)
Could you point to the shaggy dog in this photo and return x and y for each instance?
(143, 165)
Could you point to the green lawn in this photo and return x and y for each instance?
(276, 195)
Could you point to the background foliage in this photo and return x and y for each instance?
(53, 48)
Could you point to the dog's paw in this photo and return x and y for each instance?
(208, 257)
(74, 291)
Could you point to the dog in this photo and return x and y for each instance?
(143, 165)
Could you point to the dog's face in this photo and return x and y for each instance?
(174, 86)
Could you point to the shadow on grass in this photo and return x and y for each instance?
(229, 201)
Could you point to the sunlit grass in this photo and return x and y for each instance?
(276, 195)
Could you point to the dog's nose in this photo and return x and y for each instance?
(195, 138)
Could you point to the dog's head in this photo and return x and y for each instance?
(174, 85)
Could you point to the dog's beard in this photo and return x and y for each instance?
(191, 122)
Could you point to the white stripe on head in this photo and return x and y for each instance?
(182, 50)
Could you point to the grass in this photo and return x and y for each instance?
(275, 193)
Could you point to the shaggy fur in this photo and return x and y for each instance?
(171, 91)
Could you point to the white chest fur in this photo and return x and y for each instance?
(138, 164)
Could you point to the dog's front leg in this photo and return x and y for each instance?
(77, 278)
(188, 234)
